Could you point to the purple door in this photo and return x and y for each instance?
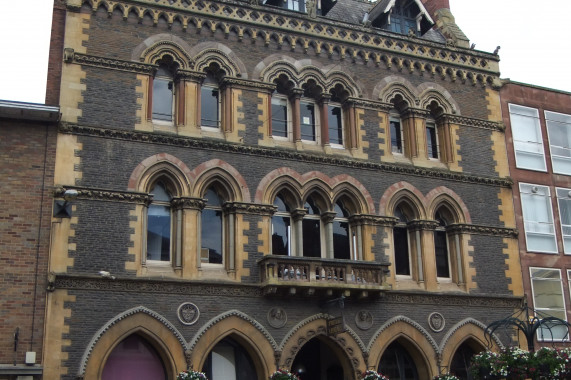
(134, 359)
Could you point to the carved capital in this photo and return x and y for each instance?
(426, 225)
(188, 203)
(249, 208)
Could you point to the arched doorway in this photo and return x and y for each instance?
(320, 360)
(134, 359)
(397, 363)
(461, 360)
(228, 360)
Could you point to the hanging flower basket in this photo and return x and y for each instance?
(372, 375)
(283, 374)
(445, 377)
(191, 375)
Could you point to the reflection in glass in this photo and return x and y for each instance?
(212, 229)
(281, 228)
(307, 114)
(279, 116)
(335, 124)
(209, 107)
(159, 225)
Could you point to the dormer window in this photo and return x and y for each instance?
(401, 16)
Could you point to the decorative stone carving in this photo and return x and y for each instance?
(364, 319)
(188, 313)
(277, 317)
(105, 195)
(436, 322)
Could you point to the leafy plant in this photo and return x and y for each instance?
(282, 374)
(372, 375)
(191, 375)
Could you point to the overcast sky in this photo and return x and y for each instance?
(533, 35)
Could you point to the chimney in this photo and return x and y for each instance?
(439, 10)
(433, 5)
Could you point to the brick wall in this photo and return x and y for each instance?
(25, 212)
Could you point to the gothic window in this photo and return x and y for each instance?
(163, 95)
(134, 357)
(335, 120)
(311, 227)
(432, 147)
(441, 246)
(281, 228)
(212, 226)
(228, 360)
(281, 126)
(401, 244)
(210, 102)
(343, 237)
(397, 363)
(159, 224)
(396, 133)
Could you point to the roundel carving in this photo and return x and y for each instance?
(188, 313)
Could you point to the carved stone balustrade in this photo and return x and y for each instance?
(310, 276)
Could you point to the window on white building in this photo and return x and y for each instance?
(527, 140)
(559, 132)
(538, 218)
(548, 300)
(564, 205)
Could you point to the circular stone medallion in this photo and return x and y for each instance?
(364, 320)
(436, 322)
(188, 313)
(277, 317)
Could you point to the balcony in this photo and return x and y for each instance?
(291, 275)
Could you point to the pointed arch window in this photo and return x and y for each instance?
(401, 244)
(344, 239)
(432, 143)
(396, 132)
(210, 102)
(163, 98)
(311, 227)
(281, 228)
(212, 238)
(159, 224)
(441, 246)
(134, 357)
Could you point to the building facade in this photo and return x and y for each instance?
(539, 126)
(320, 186)
(27, 154)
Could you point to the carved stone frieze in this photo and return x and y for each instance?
(452, 300)
(484, 230)
(108, 63)
(105, 195)
(423, 224)
(78, 282)
(197, 143)
(367, 219)
(248, 84)
(323, 35)
(473, 122)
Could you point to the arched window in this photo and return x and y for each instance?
(134, 358)
(281, 228)
(309, 120)
(311, 227)
(441, 244)
(164, 91)
(396, 132)
(460, 366)
(210, 102)
(343, 238)
(228, 360)
(396, 363)
(213, 242)
(401, 244)
(281, 109)
(432, 143)
(159, 224)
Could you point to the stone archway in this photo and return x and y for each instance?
(346, 347)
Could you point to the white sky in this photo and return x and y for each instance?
(534, 37)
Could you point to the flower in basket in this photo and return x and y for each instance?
(282, 374)
(191, 375)
(372, 375)
(445, 377)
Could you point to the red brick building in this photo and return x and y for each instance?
(538, 140)
(27, 156)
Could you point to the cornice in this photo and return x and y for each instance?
(70, 56)
(282, 154)
(105, 195)
(326, 36)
